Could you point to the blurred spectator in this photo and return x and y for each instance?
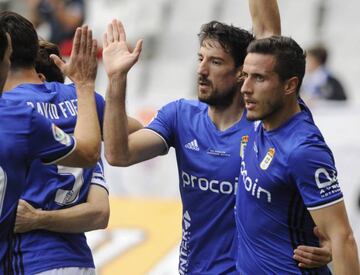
(319, 83)
(62, 16)
(44, 66)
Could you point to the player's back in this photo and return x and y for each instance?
(21, 130)
(53, 187)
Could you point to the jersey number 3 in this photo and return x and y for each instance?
(66, 197)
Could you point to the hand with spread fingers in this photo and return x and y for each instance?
(82, 65)
(312, 257)
(117, 56)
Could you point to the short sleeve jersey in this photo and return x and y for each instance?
(25, 135)
(208, 166)
(284, 173)
(53, 187)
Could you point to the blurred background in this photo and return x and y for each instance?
(144, 230)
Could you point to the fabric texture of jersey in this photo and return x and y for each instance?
(25, 135)
(208, 165)
(53, 187)
(284, 173)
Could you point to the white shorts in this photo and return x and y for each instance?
(69, 271)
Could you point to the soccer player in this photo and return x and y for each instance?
(205, 134)
(288, 180)
(45, 66)
(26, 135)
(53, 188)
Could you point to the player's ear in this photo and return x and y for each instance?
(42, 77)
(291, 85)
(239, 73)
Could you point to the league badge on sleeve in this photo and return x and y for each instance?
(61, 136)
(267, 159)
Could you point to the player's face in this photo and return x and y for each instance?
(262, 88)
(5, 63)
(217, 75)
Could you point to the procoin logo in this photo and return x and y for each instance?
(267, 159)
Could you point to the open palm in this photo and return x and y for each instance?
(117, 56)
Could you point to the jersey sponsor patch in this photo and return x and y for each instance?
(267, 159)
(61, 136)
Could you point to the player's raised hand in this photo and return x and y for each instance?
(117, 56)
(82, 65)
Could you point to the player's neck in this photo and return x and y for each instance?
(283, 115)
(21, 76)
(224, 118)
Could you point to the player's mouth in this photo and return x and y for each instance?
(203, 83)
(250, 104)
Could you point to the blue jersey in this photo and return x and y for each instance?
(208, 165)
(54, 187)
(284, 173)
(24, 135)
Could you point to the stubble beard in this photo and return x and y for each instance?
(220, 99)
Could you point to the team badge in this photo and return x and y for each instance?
(244, 141)
(267, 159)
(61, 136)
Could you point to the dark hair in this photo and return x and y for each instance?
(234, 40)
(319, 52)
(289, 56)
(45, 65)
(3, 43)
(23, 37)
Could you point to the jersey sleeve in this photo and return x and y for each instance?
(100, 107)
(313, 170)
(98, 176)
(164, 122)
(47, 141)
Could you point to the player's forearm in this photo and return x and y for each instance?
(265, 18)
(77, 219)
(115, 122)
(345, 255)
(87, 129)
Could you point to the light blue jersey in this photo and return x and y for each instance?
(24, 135)
(208, 165)
(284, 173)
(54, 187)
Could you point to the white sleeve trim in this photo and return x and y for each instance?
(156, 133)
(62, 157)
(325, 205)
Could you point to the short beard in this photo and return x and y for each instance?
(223, 100)
(274, 107)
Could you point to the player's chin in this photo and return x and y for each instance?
(252, 116)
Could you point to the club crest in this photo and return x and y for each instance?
(267, 159)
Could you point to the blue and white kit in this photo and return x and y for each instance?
(208, 165)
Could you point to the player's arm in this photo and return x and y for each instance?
(122, 149)
(265, 18)
(90, 215)
(316, 179)
(81, 69)
(333, 222)
(133, 125)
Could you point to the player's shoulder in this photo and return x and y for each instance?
(187, 105)
(304, 138)
(13, 116)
